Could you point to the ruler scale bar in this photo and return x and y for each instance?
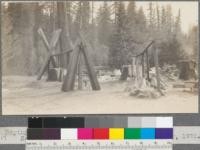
(99, 144)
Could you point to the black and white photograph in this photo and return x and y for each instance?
(99, 57)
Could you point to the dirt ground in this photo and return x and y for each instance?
(27, 96)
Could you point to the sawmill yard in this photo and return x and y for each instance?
(25, 95)
(85, 57)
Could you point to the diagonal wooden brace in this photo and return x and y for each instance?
(68, 83)
(50, 49)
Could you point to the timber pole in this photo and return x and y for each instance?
(143, 65)
(147, 61)
(79, 70)
(156, 61)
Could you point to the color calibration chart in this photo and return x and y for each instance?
(92, 133)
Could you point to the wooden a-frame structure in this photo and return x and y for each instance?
(50, 47)
(80, 49)
(142, 56)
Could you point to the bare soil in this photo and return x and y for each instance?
(27, 96)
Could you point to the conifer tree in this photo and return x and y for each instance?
(104, 24)
(119, 39)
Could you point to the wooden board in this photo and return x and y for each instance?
(68, 84)
(55, 38)
(50, 49)
(44, 67)
(46, 43)
(92, 75)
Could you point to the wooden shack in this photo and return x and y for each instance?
(188, 69)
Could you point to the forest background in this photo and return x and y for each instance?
(115, 31)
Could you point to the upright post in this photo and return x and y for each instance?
(147, 61)
(132, 66)
(143, 65)
(91, 72)
(157, 68)
(68, 83)
(79, 70)
(137, 72)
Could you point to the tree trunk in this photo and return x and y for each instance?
(65, 42)
(20, 50)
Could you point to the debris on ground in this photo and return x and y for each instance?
(148, 89)
(145, 90)
(145, 93)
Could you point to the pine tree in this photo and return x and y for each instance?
(115, 9)
(150, 15)
(177, 26)
(163, 17)
(131, 13)
(158, 17)
(193, 41)
(152, 19)
(169, 19)
(82, 17)
(85, 16)
(132, 19)
(171, 50)
(138, 32)
(104, 24)
(142, 20)
(119, 40)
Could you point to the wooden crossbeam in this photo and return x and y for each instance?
(61, 53)
(50, 49)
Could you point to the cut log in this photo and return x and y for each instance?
(92, 75)
(68, 84)
(79, 72)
